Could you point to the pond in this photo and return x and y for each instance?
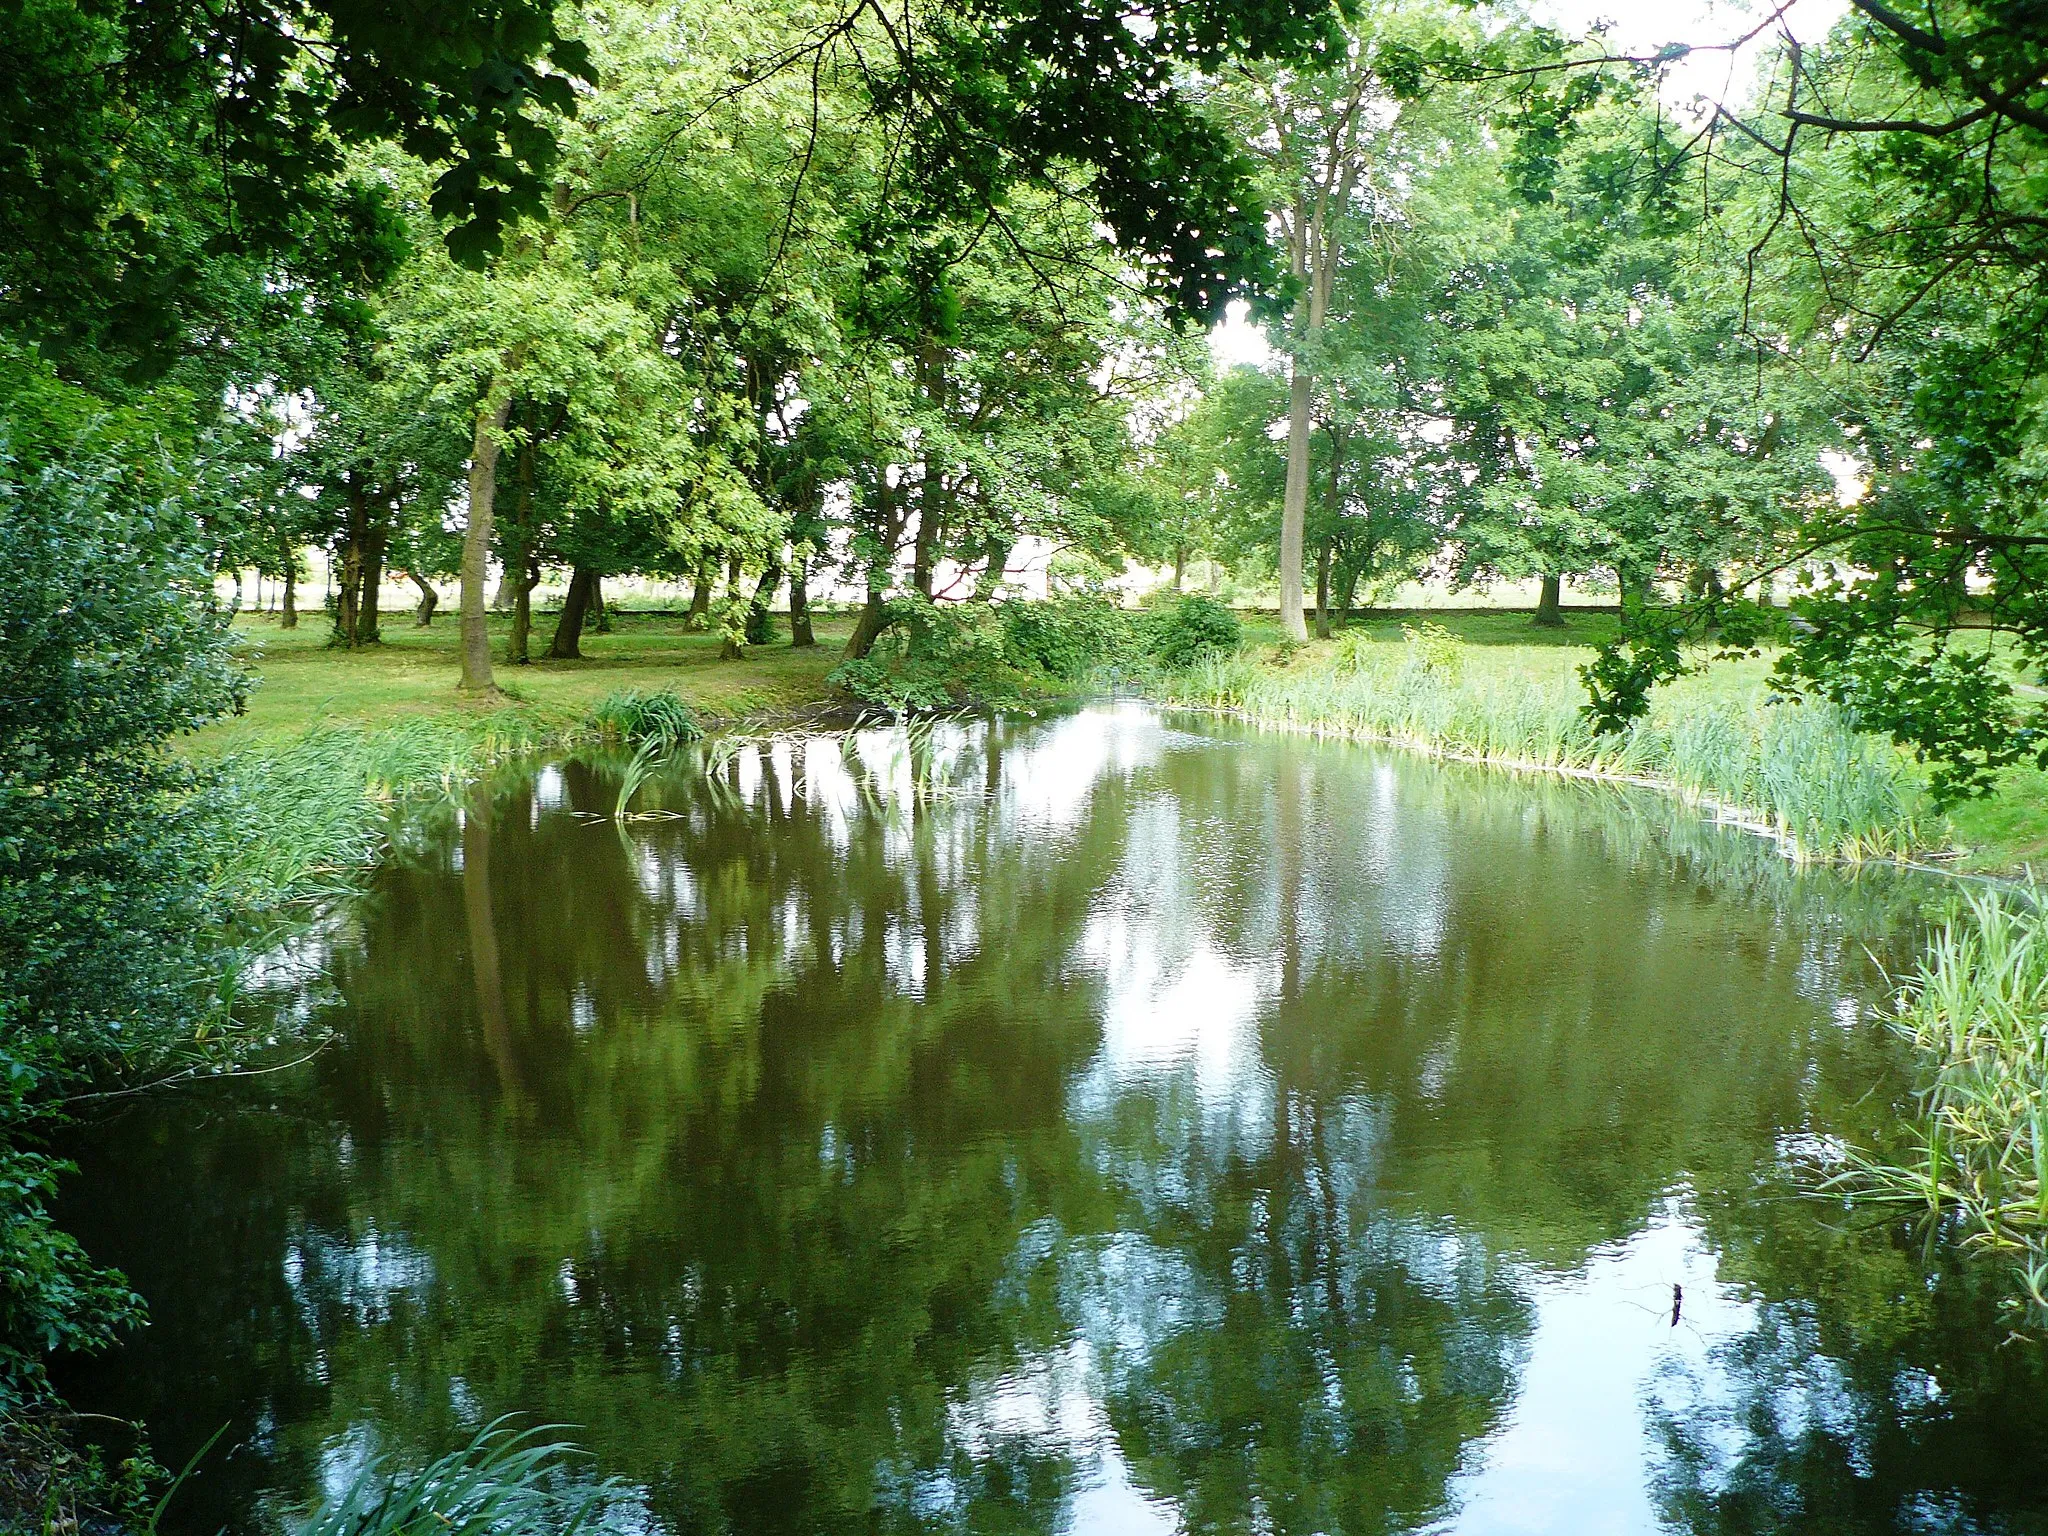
(1100, 1124)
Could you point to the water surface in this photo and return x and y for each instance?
(1098, 1125)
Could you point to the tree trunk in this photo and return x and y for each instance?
(351, 565)
(476, 537)
(374, 539)
(924, 550)
(566, 646)
(800, 600)
(1347, 591)
(1323, 590)
(1180, 564)
(519, 557)
(760, 622)
(1549, 610)
(700, 596)
(1300, 397)
(522, 613)
(423, 615)
(600, 612)
(288, 607)
(869, 629)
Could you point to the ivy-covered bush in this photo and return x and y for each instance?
(1065, 638)
(934, 656)
(1191, 631)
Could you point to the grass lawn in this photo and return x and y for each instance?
(303, 682)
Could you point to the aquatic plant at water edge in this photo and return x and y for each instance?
(505, 1482)
(658, 718)
(1976, 1016)
(1799, 771)
(302, 822)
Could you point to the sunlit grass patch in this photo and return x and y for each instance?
(1797, 771)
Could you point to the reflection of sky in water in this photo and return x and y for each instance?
(1575, 1453)
(1287, 1068)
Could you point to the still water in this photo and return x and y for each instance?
(1106, 1124)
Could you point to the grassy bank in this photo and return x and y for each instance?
(304, 683)
(332, 741)
(1490, 688)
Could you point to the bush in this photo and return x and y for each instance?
(111, 646)
(1192, 631)
(51, 1295)
(1065, 638)
(934, 657)
(1435, 653)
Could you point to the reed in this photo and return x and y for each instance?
(505, 1482)
(304, 821)
(659, 719)
(1796, 771)
(1976, 1015)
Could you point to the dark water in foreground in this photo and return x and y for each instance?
(1143, 1129)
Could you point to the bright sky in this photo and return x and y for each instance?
(1636, 26)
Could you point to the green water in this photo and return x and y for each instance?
(1099, 1125)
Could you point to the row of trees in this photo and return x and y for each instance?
(1545, 324)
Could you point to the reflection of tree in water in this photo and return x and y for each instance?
(724, 1160)
(1328, 1364)
(787, 1142)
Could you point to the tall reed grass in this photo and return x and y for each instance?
(1976, 1015)
(303, 821)
(1798, 772)
(503, 1483)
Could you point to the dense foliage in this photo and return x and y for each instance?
(109, 643)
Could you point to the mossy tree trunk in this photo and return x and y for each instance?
(800, 599)
(576, 604)
(699, 615)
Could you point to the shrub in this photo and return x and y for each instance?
(110, 646)
(933, 657)
(1193, 630)
(1065, 638)
(1435, 653)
